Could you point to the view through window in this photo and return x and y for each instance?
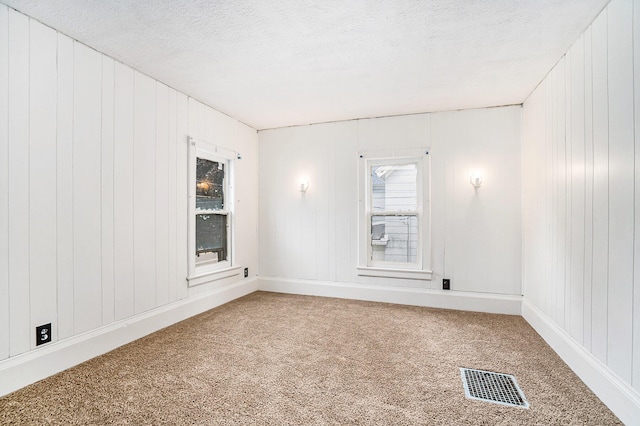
(210, 214)
(393, 216)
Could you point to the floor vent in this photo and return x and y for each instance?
(493, 387)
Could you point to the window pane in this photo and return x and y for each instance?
(394, 187)
(211, 238)
(394, 238)
(209, 185)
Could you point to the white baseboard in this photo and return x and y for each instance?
(22, 370)
(464, 301)
(621, 398)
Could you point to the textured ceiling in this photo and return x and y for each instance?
(274, 63)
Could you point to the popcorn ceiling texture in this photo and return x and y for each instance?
(274, 63)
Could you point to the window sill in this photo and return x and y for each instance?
(207, 277)
(408, 274)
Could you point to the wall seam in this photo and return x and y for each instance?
(101, 190)
(29, 179)
(593, 184)
(635, 194)
(8, 273)
(606, 305)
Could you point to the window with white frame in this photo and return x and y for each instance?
(394, 215)
(210, 212)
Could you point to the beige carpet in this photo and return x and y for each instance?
(281, 359)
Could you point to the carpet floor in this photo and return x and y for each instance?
(277, 359)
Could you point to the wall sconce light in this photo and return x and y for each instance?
(476, 179)
(304, 184)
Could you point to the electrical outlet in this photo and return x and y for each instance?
(446, 284)
(246, 272)
(43, 334)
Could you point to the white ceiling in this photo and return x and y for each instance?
(274, 63)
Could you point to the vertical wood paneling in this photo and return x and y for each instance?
(144, 215)
(621, 183)
(267, 216)
(93, 158)
(577, 191)
(246, 206)
(323, 192)
(600, 264)
(123, 191)
(332, 239)
(597, 192)
(65, 201)
(561, 190)
(345, 196)
(193, 114)
(42, 172)
(288, 221)
(553, 268)
(207, 126)
(588, 203)
(438, 210)
(531, 115)
(172, 189)
(162, 194)
(107, 168)
(87, 210)
(547, 158)
(635, 380)
(19, 321)
(567, 191)
(304, 232)
(4, 182)
(193, 130)
(534, 211)
(247, 211)
(528, 153)
(182, 122)
(449, 153)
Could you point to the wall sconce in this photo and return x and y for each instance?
(476, 179)
(304, 184)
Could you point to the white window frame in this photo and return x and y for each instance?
(421, 268)
(200, 274)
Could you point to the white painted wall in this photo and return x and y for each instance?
(93, 187)
(581, 202)
(475, 235)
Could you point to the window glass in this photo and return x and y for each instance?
(209, 185)
(394, 187)
(211, 219)
(394, 239)
(211, 238)
(393, 212)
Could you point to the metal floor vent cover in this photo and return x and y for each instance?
(493, 387)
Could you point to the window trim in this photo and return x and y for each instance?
(421, 269)
(211, 272)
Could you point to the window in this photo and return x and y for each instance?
(394, 215)
(210, 213)
(212, 242)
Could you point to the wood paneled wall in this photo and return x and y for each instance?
(581, 174)
(475, 234)
(93, 186)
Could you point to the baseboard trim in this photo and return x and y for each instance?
(22, 370)
(621, 398)
(464, 301)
